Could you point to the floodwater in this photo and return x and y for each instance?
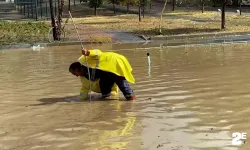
(189, 98)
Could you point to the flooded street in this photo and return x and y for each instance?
(190, 98)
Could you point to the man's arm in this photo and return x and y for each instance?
(84, 90)
(91, 53)
(84, 93)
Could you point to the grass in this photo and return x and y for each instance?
(99, 39)
(194, 14)
(195, 23)
(23, 32)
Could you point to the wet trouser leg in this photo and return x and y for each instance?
(124, 86)
(107, 81)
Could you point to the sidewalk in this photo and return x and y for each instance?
(8, 12)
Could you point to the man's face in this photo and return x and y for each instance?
(77, 72)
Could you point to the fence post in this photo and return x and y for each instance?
(17, 5)
(21, 7)
(41, 8)
(28, 8)
(24, 5)
(36, 10)
(46, 8)
(32, 9)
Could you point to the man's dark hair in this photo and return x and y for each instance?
(75, 65)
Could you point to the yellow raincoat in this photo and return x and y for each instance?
(106, 61)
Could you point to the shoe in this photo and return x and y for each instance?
(131, 98)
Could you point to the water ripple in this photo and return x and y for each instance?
(189, 98)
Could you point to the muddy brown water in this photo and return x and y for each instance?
(190, 98)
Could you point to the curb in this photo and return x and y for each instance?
(22, 45)
(193, 36)
(15, 46)
(153, 38)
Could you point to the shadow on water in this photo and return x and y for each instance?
(71, 99)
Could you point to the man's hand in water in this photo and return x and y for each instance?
(85, 52)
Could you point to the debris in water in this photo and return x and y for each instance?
(212, 128)
(206, 134)
(159, 145)
(36, 48)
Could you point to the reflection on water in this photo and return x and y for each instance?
(188, 98)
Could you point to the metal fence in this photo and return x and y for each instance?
(37, 9)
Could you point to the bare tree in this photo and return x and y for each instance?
(139, 11)
(59, 21)
(53, 22)
(173, 5)
(163, 9)
(223, 10)
(202, 5)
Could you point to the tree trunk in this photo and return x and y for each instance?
(163, 9)
(53, 23)
(127, 8)
(114, 6)
(202, 5)
(240, 7)
(223, 17)
(95, 11)
(173, 5)
(59, 25)
(143, 10)
(36, 7)
(139, 12)
(69, 9)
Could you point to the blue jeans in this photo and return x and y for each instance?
(108, 79)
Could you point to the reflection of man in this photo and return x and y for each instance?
(107, 71)
(122, 130)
